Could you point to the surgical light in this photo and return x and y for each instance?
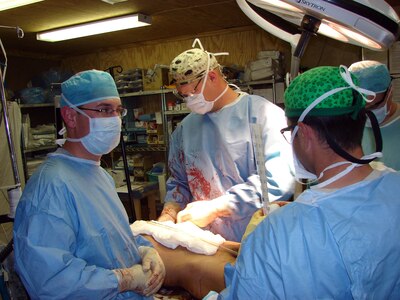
(7, 4)
(365, 23)
(93, 28)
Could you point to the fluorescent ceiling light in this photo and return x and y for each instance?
(93, 28)
(8, 4)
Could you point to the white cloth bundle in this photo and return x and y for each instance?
(184, 234)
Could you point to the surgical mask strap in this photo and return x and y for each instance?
(61, 142)
(236, 88)
(314, 104)
(337, 176)
(208, 69)
(220, 95)
(74, 107)
(197, 41)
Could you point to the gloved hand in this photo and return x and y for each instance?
(258, 216)
(145, 279)
(151, 261)
(203, 213)
(169, 212)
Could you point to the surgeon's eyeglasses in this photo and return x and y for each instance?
(181, 96)
(287, 133)
(121, 111)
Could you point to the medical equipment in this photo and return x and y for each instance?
(370, 24)
(256, 134)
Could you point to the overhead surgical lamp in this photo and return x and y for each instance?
(366, 23)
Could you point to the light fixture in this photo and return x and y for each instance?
(7, 4)
(93, 28)
(113, 1)
(365, 23)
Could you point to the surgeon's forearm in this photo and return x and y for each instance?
(169, 212)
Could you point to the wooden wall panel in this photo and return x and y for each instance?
(242, 45)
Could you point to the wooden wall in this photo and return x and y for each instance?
(243, 45)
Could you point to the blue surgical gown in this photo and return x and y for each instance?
(71, 230)
(212, 155)
(391, 143)
(326, 245)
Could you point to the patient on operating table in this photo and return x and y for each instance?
(196, 273)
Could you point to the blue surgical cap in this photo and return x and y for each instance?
(372, 75)
(88, 86)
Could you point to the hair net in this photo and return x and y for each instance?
(312, 84)
(88, 86)
(372, 75)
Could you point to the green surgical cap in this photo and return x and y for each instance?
(312, 84)
(372, 75)
(88, 86)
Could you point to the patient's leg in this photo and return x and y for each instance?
(196, 273)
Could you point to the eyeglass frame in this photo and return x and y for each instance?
(179, 95)
(289, 128)
(122, 111)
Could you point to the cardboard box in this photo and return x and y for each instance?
(155, 79)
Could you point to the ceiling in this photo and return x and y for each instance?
(170, 19)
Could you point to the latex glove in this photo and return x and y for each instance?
(203, 213)
(258, 216)
(169, 212)
(151, 261)
(135, 279)
(145, 279)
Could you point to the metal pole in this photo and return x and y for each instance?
(128, 178)
(14, 193)
(8, 132)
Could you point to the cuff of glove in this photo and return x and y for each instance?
(171, 210)
(222, 206)
(118, 274)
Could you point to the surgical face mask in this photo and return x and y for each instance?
(103, 136)
(300, 171)
(380, 114)
(197, 103)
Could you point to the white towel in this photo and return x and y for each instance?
(184, 234)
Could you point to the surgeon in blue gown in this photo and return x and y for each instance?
(375, 76)
(72, 237)
(338, 239)
(213, 173)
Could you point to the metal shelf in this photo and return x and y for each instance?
(30, 150)
(176, 112)
(144, 93)
(36, 105)
(142, 148)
